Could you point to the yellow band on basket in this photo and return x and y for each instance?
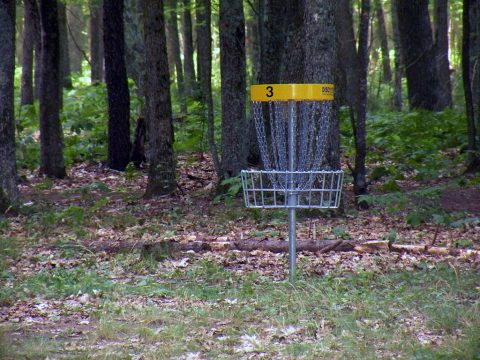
(296, 92)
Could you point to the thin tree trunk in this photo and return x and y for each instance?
(382, 35)
(8, 174)
(76, 38)
(161, 176)
(188, 65)
(354, 64)
(233, 75)
(473, 157)
(443, 64)
(29, 28)
(96, 40)
(65, 76)
(119, 144)
(397, 89)
(204, 51)
(360, 172)
(172, 28)
(37, 71)
(51, 136)
(475, 60)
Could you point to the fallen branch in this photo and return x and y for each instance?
(164, 249)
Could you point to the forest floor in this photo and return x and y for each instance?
(62, 296)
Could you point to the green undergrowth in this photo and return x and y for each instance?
(207, 310)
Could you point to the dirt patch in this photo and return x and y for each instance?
(456, 199)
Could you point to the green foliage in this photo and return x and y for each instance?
(232, 187)
(422, 142)
(418, 206)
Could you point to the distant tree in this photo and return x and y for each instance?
(161, 175)
(96, 40)
(65, 75)
(397, 88)
(354, 63)
(233, 80)
(30, 32)
(134, 44)
(383, 37)
(8, 175)
(174, 45)
(51, 137)
(119, 144)
(76, 35)
(441, 43)
(471, 16)
(204, 53)
(418, 54)
(187, 34)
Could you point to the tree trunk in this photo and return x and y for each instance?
(76, 38)
(382, 35)
(29, 33)
(96, 41)
(233, 80)
(8, 175)
(117, 87)
(161, 175)
(204, 51)
(418, 54)
(189, 67)
(292, 65)
(37, 74)
(475, 60)
(172, 29)
(360, 172)
(473, 156)
(134, 44)
(443, 64)
(355, 64)
(272, 41)
(397, 89)
(65, 76)
(51, 136)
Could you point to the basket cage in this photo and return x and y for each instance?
(293, 139)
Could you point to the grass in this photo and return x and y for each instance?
(216, 313)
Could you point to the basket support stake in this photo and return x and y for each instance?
(292, 196)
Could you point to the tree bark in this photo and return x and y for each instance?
(397, 89)
(51, 136)
(76, 38)
(134, 45)
(30, 31)
(96, 41)
(382, 35)
(174, 40)
(473, 156)
(119, 144)
(65, 76)
(8, 174)
(443, 64)
(418, 54)
(272, 41)
(188, 65)
(161, 175)
(233, 80)
(354, 64)
(204, 51)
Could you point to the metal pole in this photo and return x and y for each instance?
(292, 196)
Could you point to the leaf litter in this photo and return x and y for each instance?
(122, 215)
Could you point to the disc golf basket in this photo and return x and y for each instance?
(292, 122)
